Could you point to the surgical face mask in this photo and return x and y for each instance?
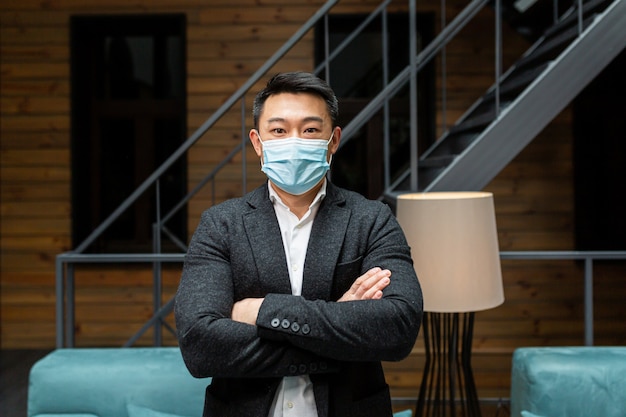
(295, 165)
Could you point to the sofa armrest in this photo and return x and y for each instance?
(569, 381)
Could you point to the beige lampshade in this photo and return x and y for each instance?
(454, 245)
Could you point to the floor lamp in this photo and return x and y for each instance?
(454, 245)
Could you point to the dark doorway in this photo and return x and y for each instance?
(600, 160)
(356, 75)
(128, 115)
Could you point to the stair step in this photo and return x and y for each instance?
(549, 49)
(475, 122)
(590, 9)
(517, 81)
(562, 34)
(450, 146)
(436, 161)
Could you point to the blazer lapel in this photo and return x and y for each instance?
(266, 243)
(327, 236)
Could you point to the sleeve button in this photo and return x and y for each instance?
(306, 329)
(285, 324)
(295, 327)
(275, 322)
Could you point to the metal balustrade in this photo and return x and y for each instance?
(65, 284)
(66, 262)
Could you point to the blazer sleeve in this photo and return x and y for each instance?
(212, 344)
(367, 330)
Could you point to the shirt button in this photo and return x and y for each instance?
(289, 404)
(294, 268)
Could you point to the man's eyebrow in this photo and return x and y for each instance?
(306, 119)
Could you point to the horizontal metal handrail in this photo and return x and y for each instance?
(65, 283)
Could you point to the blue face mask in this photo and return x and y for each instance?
(295, 165)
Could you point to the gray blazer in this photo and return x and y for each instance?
(237, 252)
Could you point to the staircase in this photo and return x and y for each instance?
(509, 116)
(562, 61)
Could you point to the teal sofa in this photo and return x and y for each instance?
(569, 382)
(116, 382)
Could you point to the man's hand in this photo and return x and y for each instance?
(368, 286)
(247, 310)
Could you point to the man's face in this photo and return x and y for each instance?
(300, 115)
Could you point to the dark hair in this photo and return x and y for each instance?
(296, 82)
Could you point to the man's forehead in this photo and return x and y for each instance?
(285, 107)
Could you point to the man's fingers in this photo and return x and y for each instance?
(376, 291)
(377, 280)
(368, 286)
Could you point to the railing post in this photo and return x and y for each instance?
(157, 280)
(70, 301)
(156, 266)
(60, 300)
(588, 301)
(386, 124)
(413, 91)
(244, 141)
(444, 75)
(498, 56)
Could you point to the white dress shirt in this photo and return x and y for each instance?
(295, 395)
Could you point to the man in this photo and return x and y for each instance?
(292, 295)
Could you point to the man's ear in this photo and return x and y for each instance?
(255, 139)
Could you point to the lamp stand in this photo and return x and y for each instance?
(448, 367)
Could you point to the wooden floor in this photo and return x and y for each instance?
(16, 364)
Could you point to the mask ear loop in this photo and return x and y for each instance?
(330, 160)
(262, 146)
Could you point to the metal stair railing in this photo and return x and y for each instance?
(65, 262)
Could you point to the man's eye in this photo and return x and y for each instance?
(278, 131)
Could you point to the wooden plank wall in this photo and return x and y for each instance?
(227, 41)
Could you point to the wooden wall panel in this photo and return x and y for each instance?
(227, 41)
